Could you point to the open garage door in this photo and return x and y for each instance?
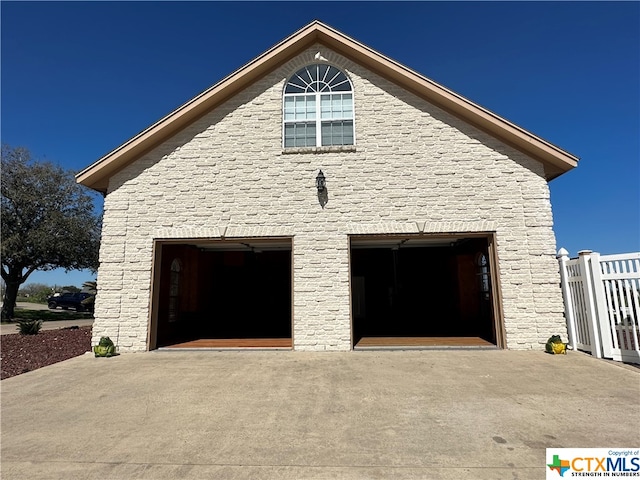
(421, 291)
(222, 294)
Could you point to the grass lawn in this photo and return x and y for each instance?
(49, 315)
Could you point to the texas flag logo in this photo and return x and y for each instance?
(558, 465)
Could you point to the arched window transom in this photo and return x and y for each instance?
(318, 108)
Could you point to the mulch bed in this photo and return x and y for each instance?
(24, 353)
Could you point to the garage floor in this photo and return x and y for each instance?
(422, 342)
(234, 343)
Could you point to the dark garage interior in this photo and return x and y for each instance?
(224, 291)
(422, 288)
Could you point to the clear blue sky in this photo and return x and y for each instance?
(81, 78)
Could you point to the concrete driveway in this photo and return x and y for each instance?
(435, 414)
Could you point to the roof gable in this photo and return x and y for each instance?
(555, 160)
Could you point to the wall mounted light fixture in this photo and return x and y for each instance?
(321, 182)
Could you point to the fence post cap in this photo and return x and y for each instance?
(562, 253)
(585, 252)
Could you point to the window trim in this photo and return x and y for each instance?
(318, 121)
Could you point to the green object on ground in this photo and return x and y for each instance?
(105, 348)
(555, 345)
(102, 351)
(29, 327)
(105, 342)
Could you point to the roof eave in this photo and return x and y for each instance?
(96, 176)
(555, 160)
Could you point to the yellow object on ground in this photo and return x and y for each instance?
(559, 348)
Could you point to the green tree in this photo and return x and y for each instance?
(91, 287)
(36, 292)
(48, 222)
(71, 289)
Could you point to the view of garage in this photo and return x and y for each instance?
(422, 291)
(221, 294)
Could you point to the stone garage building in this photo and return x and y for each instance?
(325, 197)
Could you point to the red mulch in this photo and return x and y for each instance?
(23, 353)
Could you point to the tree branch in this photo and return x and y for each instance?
(29, 272)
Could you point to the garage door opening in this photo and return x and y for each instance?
(223, 295)
(423, 292)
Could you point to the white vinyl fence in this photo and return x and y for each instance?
(602, 303)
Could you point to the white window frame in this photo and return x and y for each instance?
(318, 92)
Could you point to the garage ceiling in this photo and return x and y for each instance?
(250, 245)
(405, 242)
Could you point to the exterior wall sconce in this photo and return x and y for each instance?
(321, 182)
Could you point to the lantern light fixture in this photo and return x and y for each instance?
(321, 182)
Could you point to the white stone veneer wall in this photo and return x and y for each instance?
(414, 167)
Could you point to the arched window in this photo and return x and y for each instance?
(482, 264)
(318, 108)
(174, 290)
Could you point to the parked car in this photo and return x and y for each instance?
(71, 300)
